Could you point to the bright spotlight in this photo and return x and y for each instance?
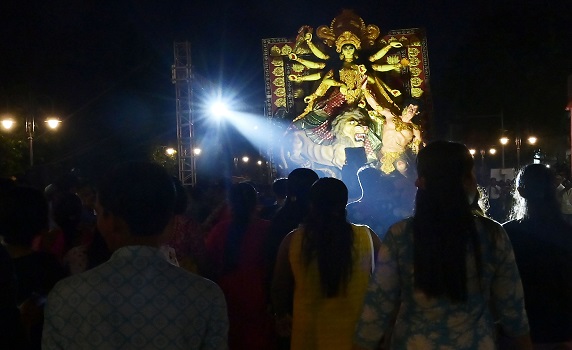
(197, 151)
(532, 140)
(472, 151)
(259, 162)
(492, 151)
(219, 109)
(170, 151)
(504, 140)
(245, 159)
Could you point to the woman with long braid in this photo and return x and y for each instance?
(445, 277)
(323, 267)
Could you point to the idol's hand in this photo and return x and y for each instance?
(309, 98)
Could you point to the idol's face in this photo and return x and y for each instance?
(348, 51)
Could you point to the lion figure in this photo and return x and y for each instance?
(349, 129)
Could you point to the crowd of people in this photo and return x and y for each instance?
(140, 261)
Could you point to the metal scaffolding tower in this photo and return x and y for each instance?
(182, 78)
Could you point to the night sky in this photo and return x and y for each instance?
(105, 66)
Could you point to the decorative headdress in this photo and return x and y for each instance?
(348, 28)
(346, 38)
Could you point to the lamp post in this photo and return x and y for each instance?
(518, 142)
(531, 140)
(483, 177)
(30, 124)
(503, 141)
(196, 152)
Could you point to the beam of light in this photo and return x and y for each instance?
(255, 128)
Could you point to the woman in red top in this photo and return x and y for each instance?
(235, 251)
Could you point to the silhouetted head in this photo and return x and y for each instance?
(445, 169)
(280, 187)
(66, 210)
(328, 196)
(299, 182)
(535, 194)
(140, 193)
(535, 182)
(242, 199)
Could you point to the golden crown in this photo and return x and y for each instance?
(348, 28)
(347, 38)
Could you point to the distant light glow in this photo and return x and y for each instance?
(472, 151)
(532, 140)
(7, 124)
(504, 140)
(197, 151)
(492, 151)
(259, 162)
(245, 159)
(53, 123)
(170, 151)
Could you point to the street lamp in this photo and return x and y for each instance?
(30, 123)
(531, 140)
(503, 140)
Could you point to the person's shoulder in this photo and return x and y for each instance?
(399, 228)
(487, 223)
(72, 284)
(182, 276)
(198, 284)
(512, 225)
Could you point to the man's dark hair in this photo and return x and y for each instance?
(142, 194)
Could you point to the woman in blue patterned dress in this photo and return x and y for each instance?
(445, 278)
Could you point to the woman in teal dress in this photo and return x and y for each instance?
(445, 278)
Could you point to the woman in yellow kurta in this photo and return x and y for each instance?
(322, 272)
